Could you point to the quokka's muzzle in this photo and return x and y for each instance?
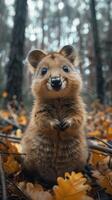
(56, 82)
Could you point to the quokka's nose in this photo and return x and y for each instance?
(56, 82)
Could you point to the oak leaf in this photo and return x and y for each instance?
(74, 186)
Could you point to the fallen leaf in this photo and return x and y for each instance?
(94, 133)
(4, 114)
(74, 186)
(5, 94)
(19, 133)
(6, 129)
(104, 179)
(22, 120)
(96, 157)
(11, 165)
(35, 191)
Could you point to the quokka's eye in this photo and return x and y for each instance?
(66, 68)
(44, 70)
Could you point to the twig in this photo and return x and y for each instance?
(12, 138)
(7, 153)
(106, 143)
(12, 123)
(100, 148)
(4, 144)
(18, 189)
(14, 116)
(3, 182)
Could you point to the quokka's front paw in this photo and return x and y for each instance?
(54, 124)
(62, 125)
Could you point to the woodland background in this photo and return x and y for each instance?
(49, 25)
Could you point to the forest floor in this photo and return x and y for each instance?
(95, 183)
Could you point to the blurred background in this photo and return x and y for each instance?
(49, 25)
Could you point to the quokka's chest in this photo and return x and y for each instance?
(55, 157)
(58, 109)
(51, 157)
(57, 152)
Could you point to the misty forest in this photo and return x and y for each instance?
(78, 32)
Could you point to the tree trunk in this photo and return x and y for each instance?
(80, 45)
(14, 68)
(98, 61)
(109, 39)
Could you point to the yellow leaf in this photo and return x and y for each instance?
(110, 130)
(74, 186)
(18, 147)
(22, 120)
(109, 133)
(11, 165)
(4, 114)
(12, 148)
(94, 133)
(106, 124)
(108, 109)
(5, 94)
(96, 157)
(19, 133)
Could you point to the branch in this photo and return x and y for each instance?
(4, 144)
(100, 148)
(11, 138)
(12, 123)
(14, 116)
(96, 138)
(18, 189)
(16, 154)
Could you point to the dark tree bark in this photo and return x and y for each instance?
(14, 68)
(109, 38)
(80, 44)
(98, 61)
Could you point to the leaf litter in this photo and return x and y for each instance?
(94, 183)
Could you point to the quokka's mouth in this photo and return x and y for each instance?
(56, 83)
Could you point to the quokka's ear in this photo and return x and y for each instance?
(68, 52)
(34, 57)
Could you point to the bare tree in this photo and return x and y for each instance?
(109, 38)
(14, 68)
(98, 61)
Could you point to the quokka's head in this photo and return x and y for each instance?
(54, 73)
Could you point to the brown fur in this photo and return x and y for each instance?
(50, 152)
